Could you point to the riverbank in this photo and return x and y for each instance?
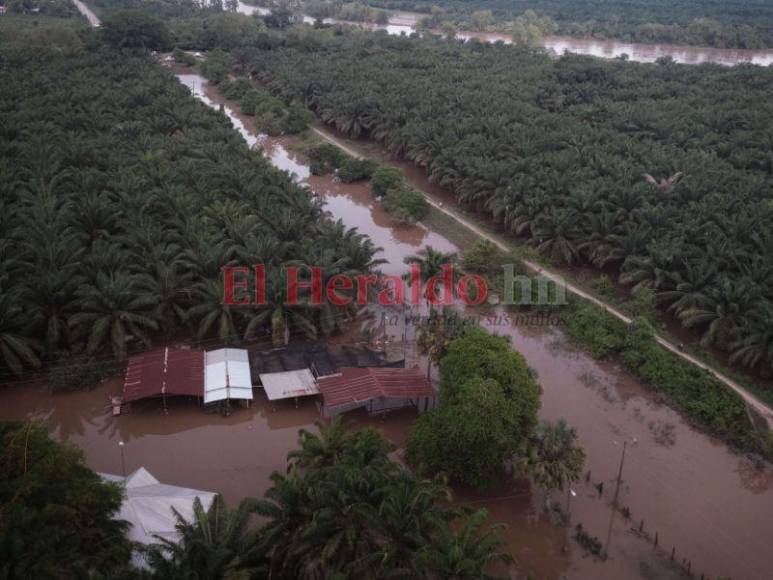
(407, 23)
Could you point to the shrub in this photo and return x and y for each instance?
(324, 157)
(352, 169)
(385, 179)
(484, 257)
(80, 372)
(406, 205)
(183, 57)
(296, 119)
(215, 69)
(235, 90)
(701, 397)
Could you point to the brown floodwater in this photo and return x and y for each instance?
(714, 507)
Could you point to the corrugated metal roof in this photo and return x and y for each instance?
(356, 385)
(164, 371)
(325, 359)
(227, 375)
(289, 384)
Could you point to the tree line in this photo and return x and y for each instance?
(659, 174)
(122, 197)
(719, 23)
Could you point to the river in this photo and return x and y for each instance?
(714, 507)
(405, 23)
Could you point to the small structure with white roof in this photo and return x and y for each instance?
(149, 506)
(227, 375)
(289, 384)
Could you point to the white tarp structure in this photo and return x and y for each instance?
(227, 375)
(148, 506)
(289, 384)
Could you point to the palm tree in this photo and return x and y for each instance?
(115, 309)
(465, 554)
(437, 331)
(17, 350)
(171, 285)
(212, 313)
(552, 457)
(755, 345)
(720, 310)
(430, 263)
(212, 546)
(556, 235)
(321, 450)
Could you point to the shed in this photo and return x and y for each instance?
(289, 384)
(162, 372)
(227, 375)
(377, 389)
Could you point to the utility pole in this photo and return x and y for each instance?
(123, 461)
(614, 500)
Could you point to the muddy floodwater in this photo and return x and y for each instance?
(715, 508)
(405, 23)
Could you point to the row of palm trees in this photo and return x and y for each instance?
(121, 200)
(658, 173)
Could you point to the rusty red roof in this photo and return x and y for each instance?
(355, 385)
(164, 371)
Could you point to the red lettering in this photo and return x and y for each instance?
(447, 280)
(393, 296)
(339, 282)
(260, 284)
(363, 283)
(230, 285)
(293, 284)
(481, 290)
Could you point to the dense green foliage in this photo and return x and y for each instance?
(55, 513)
(703, 399)
(662, 172)
(731, 23)
(406, 205)
(135, 29)
(342, 510)
(121, 199)
(272, 116)
(384, 179)
(488, 407)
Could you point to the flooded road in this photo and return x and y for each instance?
(713, 507)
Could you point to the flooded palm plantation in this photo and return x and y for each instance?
(713, 507)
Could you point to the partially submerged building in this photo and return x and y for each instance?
(342, 377)
(378, 390)
(211, 377)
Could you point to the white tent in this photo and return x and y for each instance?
(289, 384)
(148, 506)
(227, 375)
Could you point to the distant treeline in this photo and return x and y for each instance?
(720, 23)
